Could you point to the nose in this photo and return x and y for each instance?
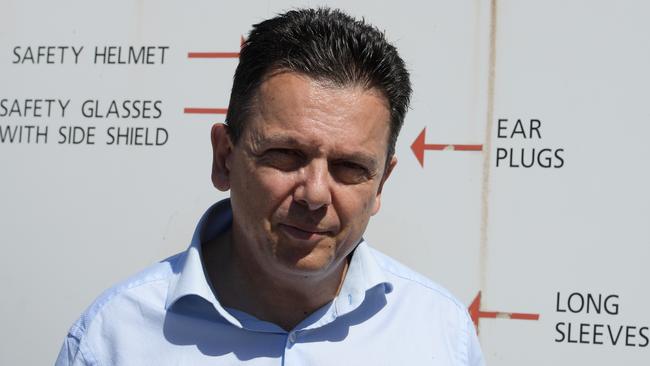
(313, 190)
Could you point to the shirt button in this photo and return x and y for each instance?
(292, 337)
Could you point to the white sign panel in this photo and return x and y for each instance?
(522, 182)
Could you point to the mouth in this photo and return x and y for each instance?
(303, 233)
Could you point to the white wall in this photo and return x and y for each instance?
(75, 219)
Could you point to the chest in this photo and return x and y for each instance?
(382, 339)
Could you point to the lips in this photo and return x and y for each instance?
(303, 232)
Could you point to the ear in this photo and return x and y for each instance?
(221, 152)
(389, 169)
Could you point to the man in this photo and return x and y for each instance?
(280, 274)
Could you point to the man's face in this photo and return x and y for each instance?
(307, 172)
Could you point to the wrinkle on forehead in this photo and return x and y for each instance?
(319, 104)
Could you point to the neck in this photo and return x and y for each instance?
(243, 284)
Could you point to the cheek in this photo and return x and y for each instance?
(357, 206)
(265, 189)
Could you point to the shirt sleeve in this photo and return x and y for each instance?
(474, 353)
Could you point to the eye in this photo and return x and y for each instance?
(349, 172)
(283, 159)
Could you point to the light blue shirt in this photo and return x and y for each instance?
(385, 314)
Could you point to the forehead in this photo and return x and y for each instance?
(295, 108)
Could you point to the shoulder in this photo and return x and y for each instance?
(112, 313)
(431, 308)
(149, 285)
(405, 279)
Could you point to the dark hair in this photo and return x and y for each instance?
(325, 45)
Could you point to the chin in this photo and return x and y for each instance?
(306, 266)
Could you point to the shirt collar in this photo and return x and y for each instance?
(192, 278)
(363, 274)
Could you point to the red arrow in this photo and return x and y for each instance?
(418, 146)
(213, 55)
(205, 110)
(476, 313)
(217, 54)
